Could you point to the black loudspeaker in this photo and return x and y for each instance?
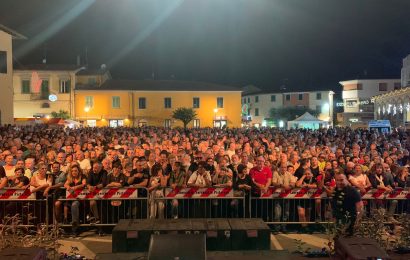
(249, 234)
(132, 235)
(357, 248)
(177, 246)
(217, 231)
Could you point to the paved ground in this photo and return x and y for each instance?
(282, 245)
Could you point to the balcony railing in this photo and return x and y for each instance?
(39, 96)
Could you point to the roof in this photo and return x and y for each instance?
(159, 85)
(16, 35)
(307, 117)
(53, 67)
(89, 72)
(264, 92)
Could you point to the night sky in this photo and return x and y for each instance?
(304, 44)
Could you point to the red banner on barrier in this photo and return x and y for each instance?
(304, 193)
(298, 193)
(106, 193)
(211, 192)
(17, 194)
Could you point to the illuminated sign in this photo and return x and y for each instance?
(52, 97)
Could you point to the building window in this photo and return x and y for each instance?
(319, 108)
(195, 102)
(318, 96)
(359, 86)
(25, 86)
(167, 102)
(142, 104)
(219, 102)
(382, 86)
(115, 102)
(256, 111)
(91, 123)
(249, 100)
(92, 81)
(65, 86)
(116, 123)
(167, 123)
(256, 99)
(197, 123)
(244, 101)
(89, 101)
(300, 96)
(45, 91)
(287, 97)
(273, 98)
(397, 85)
(3, 62)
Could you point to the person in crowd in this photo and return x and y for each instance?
(284, 180)
(41, 181)
(306, 181)
(177, 180)
(359, 180)
(75, 180)
(347, 204)
(96, 180)
(157, 182)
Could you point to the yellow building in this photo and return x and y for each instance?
(151, 102)
(6, 73)
(40, 89)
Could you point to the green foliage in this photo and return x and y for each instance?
(184, 114)
(60, 114)
(290, 113)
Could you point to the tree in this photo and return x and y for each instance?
(290, 113)
(184, 114)
(60, 114)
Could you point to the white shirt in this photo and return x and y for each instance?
(199, 180)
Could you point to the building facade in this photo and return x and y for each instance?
(152, 102)
(256, 107)
(42, 89)
(393, 106)
(6, 74)
(405, 72)
(358, 102)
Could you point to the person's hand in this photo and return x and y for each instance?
(45, 193)
(91, 188)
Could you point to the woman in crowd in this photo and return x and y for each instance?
(76, 180)
(156, 184)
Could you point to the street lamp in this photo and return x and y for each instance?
(86, 110)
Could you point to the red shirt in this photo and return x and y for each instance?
(261, 176)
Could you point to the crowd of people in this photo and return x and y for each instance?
(47, 160)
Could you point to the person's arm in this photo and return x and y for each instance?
(207, 178)
(359, 212)
(153, 186)
(3, 183)
(192, 180)
(299, 183)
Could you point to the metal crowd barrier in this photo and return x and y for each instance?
(279, 206)
(30, 208)
(112, 205)
(212, 202)
(276, 206)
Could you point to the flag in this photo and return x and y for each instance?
(35, 82)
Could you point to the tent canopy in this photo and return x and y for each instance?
(307, 121)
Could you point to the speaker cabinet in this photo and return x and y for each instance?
(177, 246)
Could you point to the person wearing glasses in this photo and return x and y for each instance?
(41, 181)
